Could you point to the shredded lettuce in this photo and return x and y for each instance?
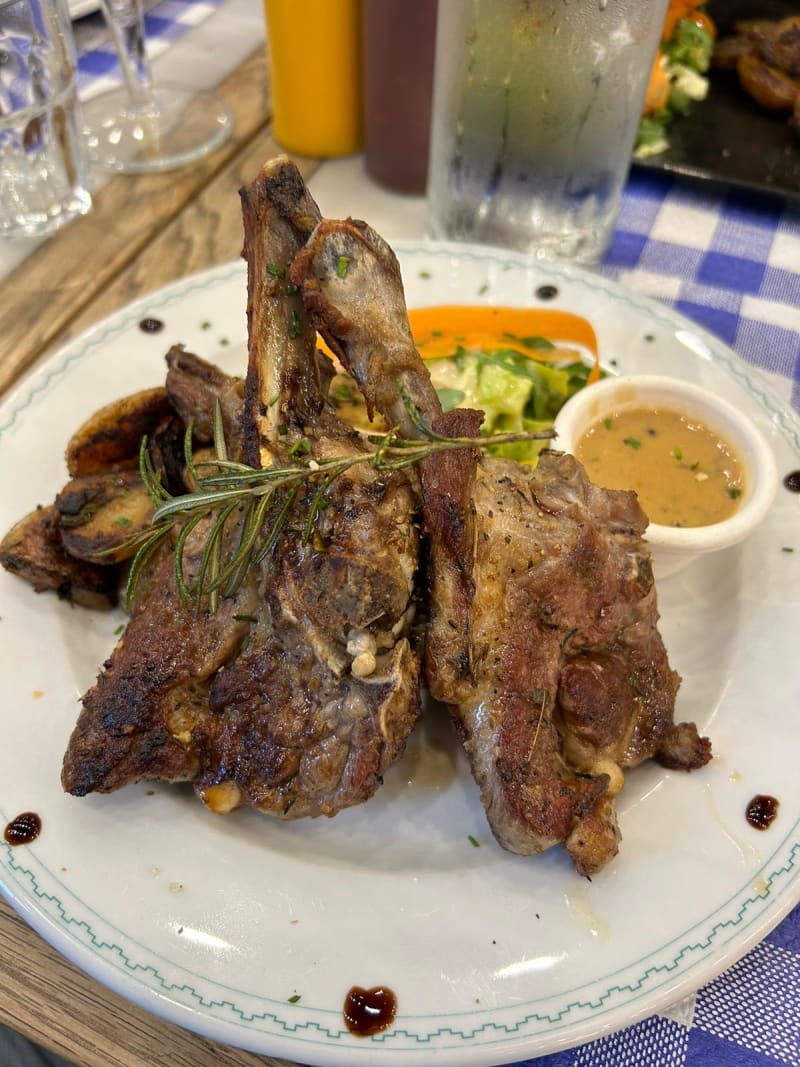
(687, 57)
(651, 138)
(517, 393)
(691, 46)
(687, 85)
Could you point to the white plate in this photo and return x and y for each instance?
(216, 922)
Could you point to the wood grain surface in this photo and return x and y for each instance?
(56, 290)
(144, 232)
(46, 999)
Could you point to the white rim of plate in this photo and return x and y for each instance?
(698, 954)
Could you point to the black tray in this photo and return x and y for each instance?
(727, 137)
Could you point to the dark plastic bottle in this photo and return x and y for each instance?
(399, 45)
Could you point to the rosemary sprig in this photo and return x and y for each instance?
(246, 508)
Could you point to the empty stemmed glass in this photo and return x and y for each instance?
(143, 127)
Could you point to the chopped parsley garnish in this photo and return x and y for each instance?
(121, 626)
(734, 493)
(295, 326)
(483, 289)
(608, 423)
(293, 999)
(787, 548)
(341, 266)
(205, 325)
(123, 521)
(425, 274)
(473, 841)
(276, 271)
(632, 442)
(677, 453)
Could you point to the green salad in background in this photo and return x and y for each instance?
(678, 78)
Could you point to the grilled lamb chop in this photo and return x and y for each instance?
(542, 636)
(545, 644)
(301, 690)
(194, 386)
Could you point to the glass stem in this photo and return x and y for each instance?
(125, 19)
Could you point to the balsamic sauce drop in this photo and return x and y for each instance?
(150, 325)
(792, 482)
(368, 1011)
(761, 811)
(547, 292)
(24, 829)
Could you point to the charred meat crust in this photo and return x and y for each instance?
(146, 717)
(552, 665)
(282, 388)
(447, 482)
(195, 387)
(682, 749)
(300, 691)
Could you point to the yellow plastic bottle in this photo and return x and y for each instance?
(315, 68)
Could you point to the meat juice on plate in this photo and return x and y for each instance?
(535, 116)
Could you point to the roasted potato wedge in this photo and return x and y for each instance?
(110, 438)
(729, 50)
(778, 42)
(33, 551)
(770, 88)
(100, 513)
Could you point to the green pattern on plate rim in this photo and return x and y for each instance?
(742, 909)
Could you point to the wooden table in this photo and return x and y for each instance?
(143, 233)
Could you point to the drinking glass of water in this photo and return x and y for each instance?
(535, 112)
(43, 173)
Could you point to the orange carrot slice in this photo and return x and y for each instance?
(439, 331)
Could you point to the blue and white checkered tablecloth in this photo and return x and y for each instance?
(748, 1017)
(729, 260)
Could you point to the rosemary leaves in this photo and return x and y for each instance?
(246, 509)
